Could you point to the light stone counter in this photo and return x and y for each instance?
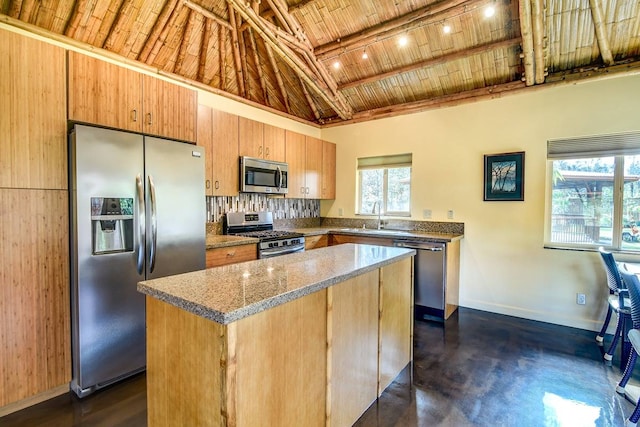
(413, 235)
(214, 241)
(229, 293)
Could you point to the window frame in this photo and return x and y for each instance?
(385, 190)
(615, 146)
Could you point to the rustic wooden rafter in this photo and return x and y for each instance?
(259, 66)
(527, 42)
(601, 32)
(184, 43)
(434, 61)
(537, 18)
(310, 101)
(300, 5)
(276, 71)
(223, 57)
(243, 63)
(336, 101)
(433, 13)
(236, 50)
(207, 14)
(168, 11)
(204, 44)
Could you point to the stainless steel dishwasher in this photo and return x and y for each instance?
(429, 277)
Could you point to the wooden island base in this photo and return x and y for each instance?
(319, 360)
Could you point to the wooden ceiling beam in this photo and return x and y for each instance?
(204, 45)
(527, 42)
(276, 71)
(426, 15)
(259, 66)
(236, 51)
(336, 101)
(434, 61)
(310, 101)
(537, 18)
(601, 31)
(207, 14)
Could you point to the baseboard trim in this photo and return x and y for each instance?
(33, 400)
(555, 318)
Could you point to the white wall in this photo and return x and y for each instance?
(504, 267)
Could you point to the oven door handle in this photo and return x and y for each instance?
(269, 253)
(278, 178)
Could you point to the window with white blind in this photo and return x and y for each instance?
(384, 185)
(595, 192)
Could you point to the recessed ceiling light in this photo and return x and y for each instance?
(402, 41)
(364, 55)
(489, 11)
(446, 29)
(336, 65)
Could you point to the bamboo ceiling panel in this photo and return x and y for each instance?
(304, 58)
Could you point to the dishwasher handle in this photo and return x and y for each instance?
(425, 246)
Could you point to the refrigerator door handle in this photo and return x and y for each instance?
(141, 225)
(154, 226)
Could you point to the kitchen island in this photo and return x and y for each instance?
(311, 338)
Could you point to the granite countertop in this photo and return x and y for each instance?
(229, 293)
(214, 241)
(383, 233)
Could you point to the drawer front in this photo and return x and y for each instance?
(338, 239)
(231, 255)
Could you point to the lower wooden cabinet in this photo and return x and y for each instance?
(35, 348)
(231, 255)
(315, 242)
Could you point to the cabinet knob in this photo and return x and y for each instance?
(134, 115)
(267, 152)
(149, 121)
(231, 254)
(208, 184)
(260, 150)
(301, 190)
(306, 191)
(217, 185)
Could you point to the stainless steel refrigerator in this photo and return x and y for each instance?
(137, 207)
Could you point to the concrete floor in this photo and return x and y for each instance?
(476, 369)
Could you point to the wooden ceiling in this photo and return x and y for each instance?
(282, 54)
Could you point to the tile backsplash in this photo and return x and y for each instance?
(282, 208)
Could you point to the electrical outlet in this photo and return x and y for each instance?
(450, 214)
(426, 213)
(340, 212)
(581, 299)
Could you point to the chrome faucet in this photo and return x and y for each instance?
(373, 211)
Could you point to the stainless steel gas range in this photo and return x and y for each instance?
(260, 225)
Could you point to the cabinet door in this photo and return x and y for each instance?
(225, 158)
(313, 168)
(169, 110)
(231, 255)
(274, 143)
(205, 140)
(104, 94)
(250, 138)
(328, 170)
(34, 293)
(33, 124)
(296, 158)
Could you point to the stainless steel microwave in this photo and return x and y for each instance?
(263, 176)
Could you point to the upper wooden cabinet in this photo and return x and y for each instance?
(311, 175)
(260, 140)
(313, 172)
(328, 170)
(218, 134)
(33, 124)
(107, 94)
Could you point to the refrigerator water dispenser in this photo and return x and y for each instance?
(111, 225)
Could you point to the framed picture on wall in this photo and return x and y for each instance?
(504, 176)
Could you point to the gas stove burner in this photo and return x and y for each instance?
(266, 235)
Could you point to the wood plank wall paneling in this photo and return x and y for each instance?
(175, 364)
(352, 359)
(396, 301)
(33, 126)
(35, 346)
(282, 352)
